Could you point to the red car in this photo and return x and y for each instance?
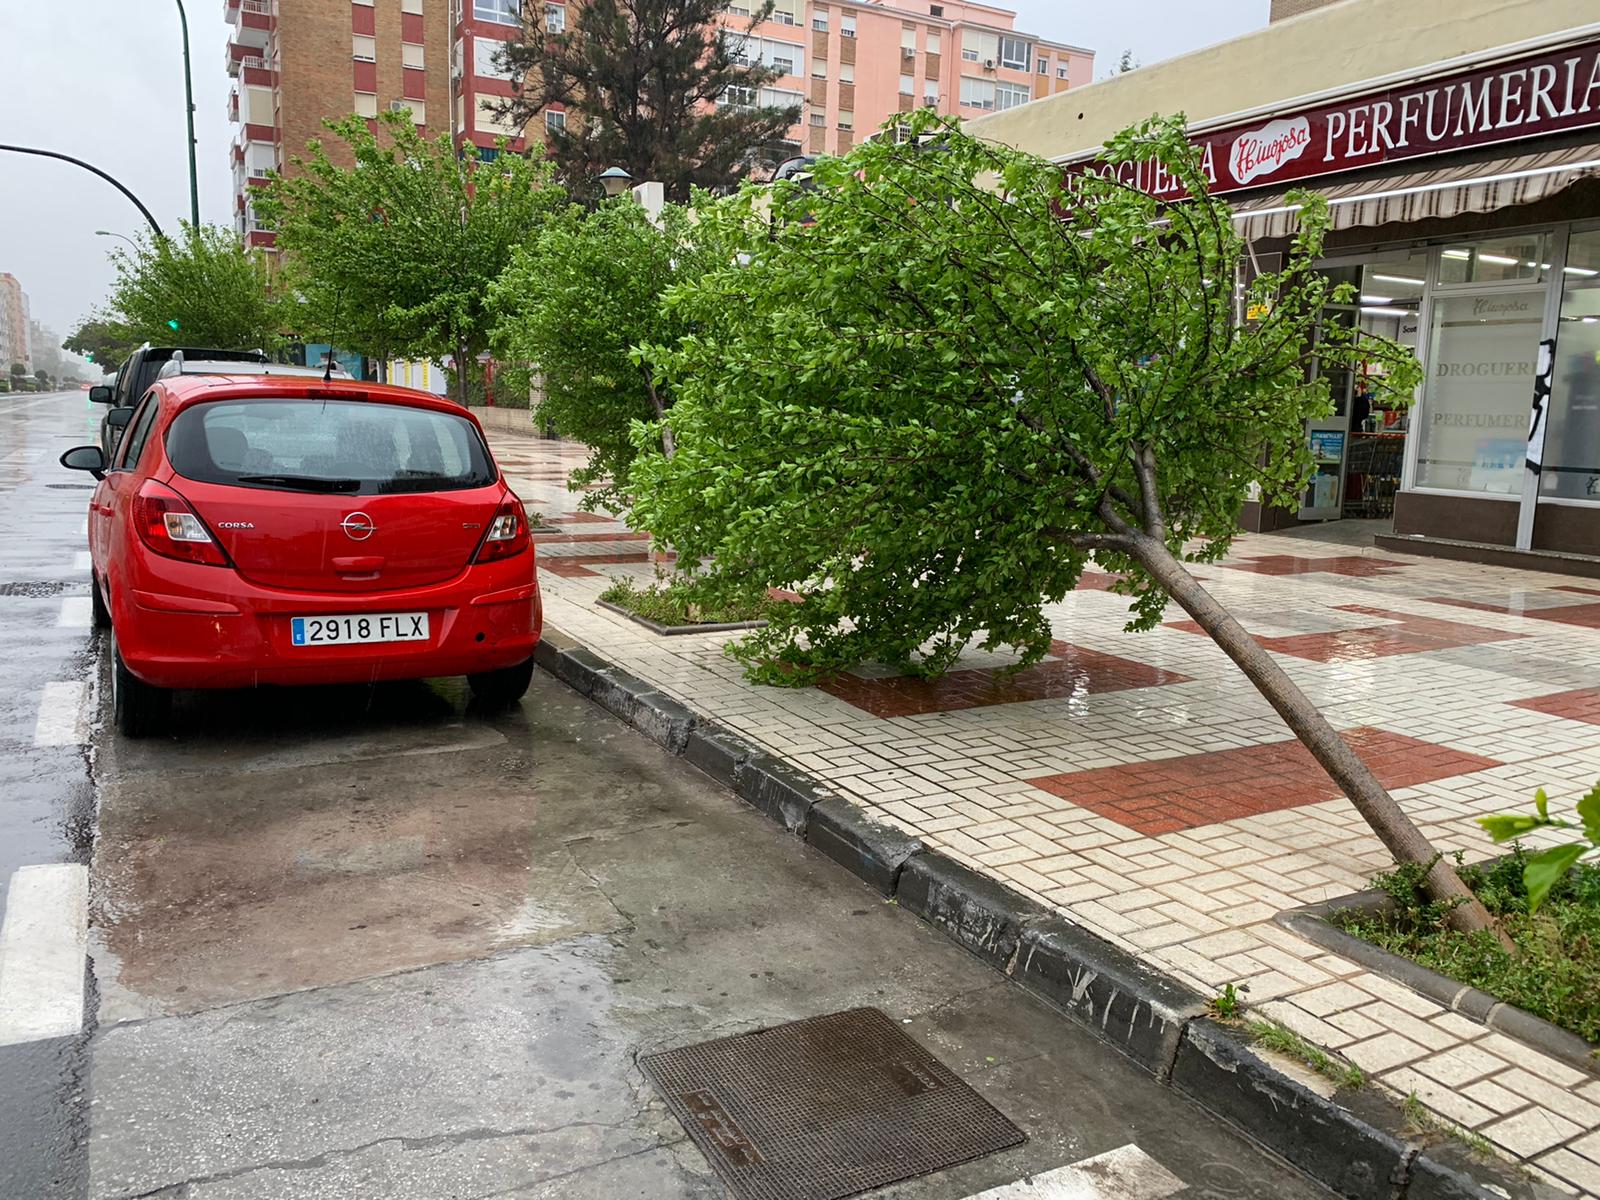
(275, 530)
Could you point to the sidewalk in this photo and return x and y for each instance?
(1140, 785)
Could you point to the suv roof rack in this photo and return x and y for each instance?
(178, 365)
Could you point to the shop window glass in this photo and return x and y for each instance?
(1496, 260)
(1572, 443)
(1483, 351)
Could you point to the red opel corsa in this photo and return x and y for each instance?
(287, 530)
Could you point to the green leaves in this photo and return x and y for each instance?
(201, 286)
(1545, 870)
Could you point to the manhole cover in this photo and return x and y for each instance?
(825, 1108)
(72, 487)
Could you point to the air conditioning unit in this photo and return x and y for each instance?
(399, 105)
(908, 51)
(989, 64)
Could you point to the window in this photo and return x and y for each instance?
(411, 6)
(788, 57)
(930, 91)
(908, 37)
(363, 48)
(781, 98)
(501, 12)
(847, 120)
(417, 109)
(908, 85)
(847, 72)
(785, 12)
(366, 104)
(819, 68)
(977, 93)
(1061, 70)
(1572, 445)
(555, 18)
(818, 120)
(737, 97)
(1016, 53)
(486, 121)
(554, 119)
(1010, 95)
(978, 46)
(1044, 65)
(484, 51)
(1483, 352)
(386, 449)
(1496, 260)
(741, 49)
(819, 20)
(411, 56)
(847, 25)
(936, 10)
(931, 44)
(138, 431)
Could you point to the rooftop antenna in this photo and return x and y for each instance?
(333, 332)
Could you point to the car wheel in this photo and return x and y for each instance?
(137, 709)
(502, 688)
(102, 614)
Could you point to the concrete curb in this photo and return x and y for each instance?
(1156, 1021)
(677, 630)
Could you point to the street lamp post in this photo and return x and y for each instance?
(615, 181)
(123, 236)
(112, 180)
(188, 97)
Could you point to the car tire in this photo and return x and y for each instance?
(97, 602)
(503, 688)
(137, 709)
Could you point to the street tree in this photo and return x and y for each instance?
(201, 288)
(583, 308)
(395, 254)
(103, 340)
(942, 383)
(653, 86)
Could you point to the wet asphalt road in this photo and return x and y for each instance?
(46, 793)
(372, 943)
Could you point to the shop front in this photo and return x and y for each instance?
(1464, 196)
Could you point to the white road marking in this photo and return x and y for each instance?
(63, 714)
(81, 561)
(1126, 1173)
(76, 613)
(42, 947)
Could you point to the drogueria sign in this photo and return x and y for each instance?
(1551, 91)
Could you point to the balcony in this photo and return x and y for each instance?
(241, 57)
(251, 21)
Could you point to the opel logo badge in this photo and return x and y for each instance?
(358, 526)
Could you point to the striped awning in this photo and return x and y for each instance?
(1442, 192)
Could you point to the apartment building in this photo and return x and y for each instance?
(15, 340)
(852, 64)
(298, 63)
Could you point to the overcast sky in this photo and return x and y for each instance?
(103, 80)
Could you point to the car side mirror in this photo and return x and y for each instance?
(100, 394)
(118, 418)
(86, 458)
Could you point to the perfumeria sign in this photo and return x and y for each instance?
(1549, 92)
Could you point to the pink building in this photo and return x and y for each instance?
(852, 64)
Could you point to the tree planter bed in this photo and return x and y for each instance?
(673, 630)
(1314, 922)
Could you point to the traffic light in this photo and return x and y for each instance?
(173, 325)
(89, 354)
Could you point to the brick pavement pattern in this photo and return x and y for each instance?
(1034, 778)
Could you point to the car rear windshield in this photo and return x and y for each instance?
(356, 447)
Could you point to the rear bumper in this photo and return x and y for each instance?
(192, 626)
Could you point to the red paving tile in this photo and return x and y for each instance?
(1580, 705)
(1288, 564)
(1070, 671)
(1585, 616)
(575, 566)
(1173, 794)
(1408, 634)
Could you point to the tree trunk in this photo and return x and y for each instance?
(1387, 819)
(668, 444)
(461, 372)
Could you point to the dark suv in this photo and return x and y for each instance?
(138, 372)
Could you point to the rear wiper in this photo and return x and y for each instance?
(304, 483)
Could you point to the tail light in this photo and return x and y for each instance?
(507, 536)
(171, 528)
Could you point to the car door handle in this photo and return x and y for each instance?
(358, 562)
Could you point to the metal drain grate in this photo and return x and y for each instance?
(39, 589)
(825, 1108)
(71, 487)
